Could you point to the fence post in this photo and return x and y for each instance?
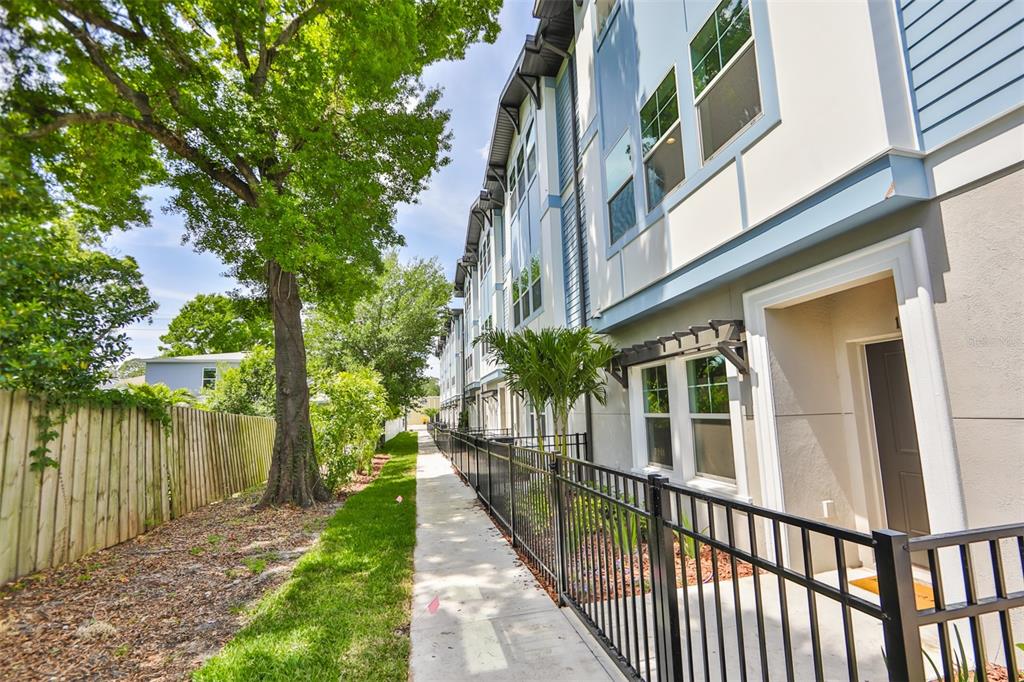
(668, 644)
(562, 568)
(899, 606)
(512, 494)
(490, 489)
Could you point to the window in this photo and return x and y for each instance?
(657, 423)
(618, 170)
(485, 255)
(708, 388)
(526, 291)
(725, 85)
(209, 377)
(661, 139)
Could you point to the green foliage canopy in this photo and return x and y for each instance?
(289, 130)
(62, 308)
(215, 323)
(391, 330)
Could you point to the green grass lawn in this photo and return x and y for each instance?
(343, 613)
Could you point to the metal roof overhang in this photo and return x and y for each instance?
(542, 55)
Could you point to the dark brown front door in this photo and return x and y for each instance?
(896, 433)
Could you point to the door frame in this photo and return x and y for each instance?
(904, 257)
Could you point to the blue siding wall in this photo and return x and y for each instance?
(563, 120)
(577, 285)
(577, 282)
(966, 60)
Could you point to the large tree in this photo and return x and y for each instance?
(392, 328)
(288, 130)
(215, 323)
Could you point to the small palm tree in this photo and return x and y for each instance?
(555, 366)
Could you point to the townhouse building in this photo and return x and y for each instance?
(802, 224)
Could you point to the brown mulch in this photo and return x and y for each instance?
(157, 606)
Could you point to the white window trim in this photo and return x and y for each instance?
(203, 379)
(684, 469)
(904, 257)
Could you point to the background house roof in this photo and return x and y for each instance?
(209, 357)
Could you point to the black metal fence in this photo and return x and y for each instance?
(682, 584)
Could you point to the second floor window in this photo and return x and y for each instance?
(485, 255)
(526, 291)
(725, 85)
(618, 169)
(662, 141)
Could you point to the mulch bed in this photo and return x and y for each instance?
(157, 606)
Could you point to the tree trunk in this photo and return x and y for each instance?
(294, 476)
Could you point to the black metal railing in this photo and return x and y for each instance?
(678, 583)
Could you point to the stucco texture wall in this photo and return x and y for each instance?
(979, 308)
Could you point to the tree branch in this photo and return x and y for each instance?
(243, 58)
(103, 22)
(259, 77)
(138, 99)
(162, 134)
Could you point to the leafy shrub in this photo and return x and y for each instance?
(159, 395)
(246, 389)
(347, 423)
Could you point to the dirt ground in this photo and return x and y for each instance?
(155, 607)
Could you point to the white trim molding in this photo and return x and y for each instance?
(903, 257)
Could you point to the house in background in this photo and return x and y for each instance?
(192, 372)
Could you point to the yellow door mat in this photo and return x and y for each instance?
(923, 594)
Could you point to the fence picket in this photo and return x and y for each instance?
(103, 477)
(48, 506)
(65, 479)
(30, 484)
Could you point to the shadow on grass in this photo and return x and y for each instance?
(343, 613)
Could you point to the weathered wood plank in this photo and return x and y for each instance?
(30, 484)
(103, 480)
(65, 481)
(15, 453)
(75, 531)
(114, 480)
(124, 512)
(92, 470)
(132, 450)
(48, 494)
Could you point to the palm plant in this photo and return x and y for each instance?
(555, 366)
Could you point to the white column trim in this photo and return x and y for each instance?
(902, 256)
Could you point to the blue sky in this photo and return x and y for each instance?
(436, 226)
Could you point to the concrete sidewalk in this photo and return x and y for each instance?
(493, 621)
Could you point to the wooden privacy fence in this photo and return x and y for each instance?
(120, 474)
